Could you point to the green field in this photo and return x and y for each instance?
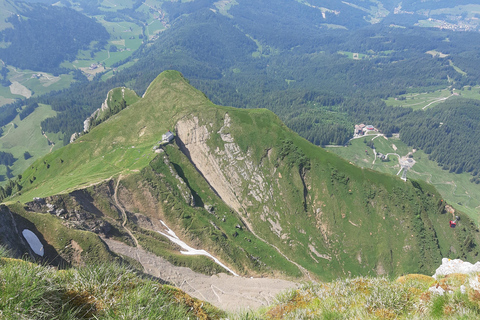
(48, 83)
(125, 35)
(426, 100)
(470, 92)
(419, 100)
(463, 73)
(27, 136)
(110, 73)
(354, 55)
(37, 82)
(429, 23)
(455, 188)
(6, 96)
(115, 5)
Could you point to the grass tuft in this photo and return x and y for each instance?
(407, 297)
(106, 291)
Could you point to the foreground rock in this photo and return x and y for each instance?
(456, 266)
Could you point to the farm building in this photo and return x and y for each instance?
(382, 156)
(359, 128)
(167, 137)
(370, 127)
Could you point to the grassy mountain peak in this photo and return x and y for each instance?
(117, 145)
(242, 185)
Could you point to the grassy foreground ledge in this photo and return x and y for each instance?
(112, 291)
(407, 297)
(108, 291)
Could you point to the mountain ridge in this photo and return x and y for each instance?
(249, 175)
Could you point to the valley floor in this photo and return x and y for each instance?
(226, 292)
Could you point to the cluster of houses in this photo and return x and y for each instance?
(361, 129)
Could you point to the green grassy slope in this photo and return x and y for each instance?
(407, 297)
(104, 152)
(331, 217)
(455, 188)
(25, 135)
(96, 291)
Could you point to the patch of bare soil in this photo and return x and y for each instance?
(18, 88)
(223, 291)
(77, 253)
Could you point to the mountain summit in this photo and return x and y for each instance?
(238, 184)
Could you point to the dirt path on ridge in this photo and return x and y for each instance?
(124, 214)
(50, 142)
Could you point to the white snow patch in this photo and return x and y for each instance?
(189, 250)
(33, 241)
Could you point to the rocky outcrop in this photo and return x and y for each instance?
(74, 214)
(182, 186)
(231, 172)
(449, 266)
(193, 139)
(74, 136)
(87, 123)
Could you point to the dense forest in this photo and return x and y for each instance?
(48, 35)
(449, 133)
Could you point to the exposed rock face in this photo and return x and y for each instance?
(10, 237)
(74, 213)
(88, 121)
(182, 186)
(229, 171)
(74, 136)
(194, 138)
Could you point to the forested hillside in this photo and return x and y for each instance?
(45, 36)
(288, 58)
(450, 134)
(221, 64)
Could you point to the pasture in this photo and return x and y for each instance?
(456, 189)
(431, 99)
(26, 135)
